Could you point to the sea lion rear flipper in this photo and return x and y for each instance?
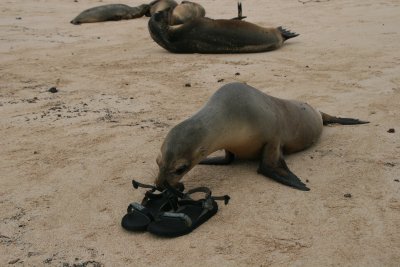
(229, 157)
(328, 119)
(273, 166)
(286, 34)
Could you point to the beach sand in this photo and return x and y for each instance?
(67, 158)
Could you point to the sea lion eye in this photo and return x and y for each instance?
(181, 170)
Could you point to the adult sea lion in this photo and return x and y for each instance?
(205, 35)
(246, 123)
(110, 12)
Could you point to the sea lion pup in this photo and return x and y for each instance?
(248, 124)
(185, 12)
(110, 12)
(205, 35)
(160, 5)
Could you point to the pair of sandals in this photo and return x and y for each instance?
(171, 212)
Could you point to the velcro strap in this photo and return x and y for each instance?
(180, 216)
(225, 198)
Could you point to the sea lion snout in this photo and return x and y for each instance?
(171, 178)
(171, 171)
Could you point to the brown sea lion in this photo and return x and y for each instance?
(248, 124)
(110, 12)
(205, 35)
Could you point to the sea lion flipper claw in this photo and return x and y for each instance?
(226, 160)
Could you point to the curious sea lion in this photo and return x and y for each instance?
(110, 12)
(248, 124)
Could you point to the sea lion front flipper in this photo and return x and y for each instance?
(329, 119)
(272, 165)
(229, 157)
(239, 17)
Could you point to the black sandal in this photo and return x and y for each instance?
(188, 216)
(139, 216)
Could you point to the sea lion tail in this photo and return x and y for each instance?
(286, 34)
(328, 119)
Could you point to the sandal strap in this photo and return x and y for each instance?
(180, 194)
(225, 198)
(174, 190)
(206, 190)
(170, 194)
(136, 185)
(200, 189)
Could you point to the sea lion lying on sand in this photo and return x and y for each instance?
(178, 13)
(111, 12)
(205, 35)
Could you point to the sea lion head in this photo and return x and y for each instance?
(180, 152)
(160, 5)
(186, 11)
